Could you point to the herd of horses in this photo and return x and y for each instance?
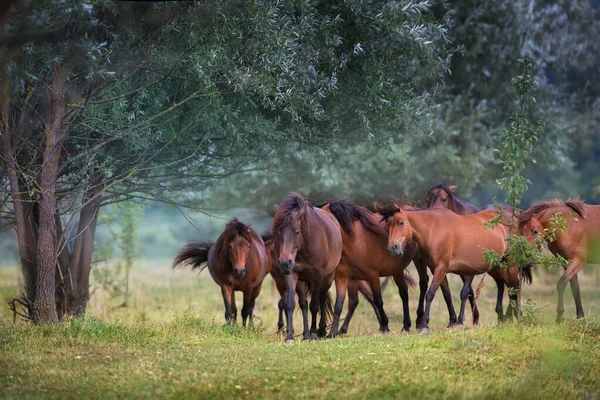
(310, 246)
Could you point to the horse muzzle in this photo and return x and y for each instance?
(396, 250)
(286, 266)
(239, 273)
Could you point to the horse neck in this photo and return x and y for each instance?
(463, 207)
(308, 226)
(420, 221)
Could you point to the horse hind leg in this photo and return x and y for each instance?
(341, 286)
(574, 282)
(465, 293)
(353, 288)
(499, 299)
(570, 272)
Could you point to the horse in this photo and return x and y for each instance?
(448, 243)
(237, 261)
(583, 230)
(444, 196)
(308, 247)
(302, 291)
(365, 257)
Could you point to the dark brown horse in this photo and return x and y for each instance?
(237, 261)
(444, 196)
(448, 242)
(303, 292)
(365, 257)
(581, 234)
(308, 247)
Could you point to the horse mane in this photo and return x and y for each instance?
(232, 229)
(387, 211)
(576, 205)
(445, 187)
(347, 212)
(283, 217)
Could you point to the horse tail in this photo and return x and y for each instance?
(193, 254)
(409, 281)
(526, 274)
(328, 308)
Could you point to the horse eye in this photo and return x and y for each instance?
(249, 245)
(444, 200)
(401, 223)
(535, 232)
(297, 233)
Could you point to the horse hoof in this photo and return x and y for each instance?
(290, 341)
(322, 333)
(342, 332)
(330, 336)
(405, 330)
(313, 336)
(424, 330)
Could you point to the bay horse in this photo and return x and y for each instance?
(582, 231)
(365, 257)
(237, 261)
(448, 243)
(302, 290)
(308, 247)
(444, 196)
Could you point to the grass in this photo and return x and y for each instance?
(171, 343)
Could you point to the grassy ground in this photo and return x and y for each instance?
(171, 342)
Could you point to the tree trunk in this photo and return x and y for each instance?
(74, 281)
(44, 310)
(25, 221)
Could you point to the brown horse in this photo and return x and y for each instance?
(302, 291)
(365, 257)
(448, 242)
(237, 261)
(444, 196)
(308, 247)
(583, 231)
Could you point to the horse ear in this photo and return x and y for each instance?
(376, 206)
(275, 208)
(452, 187)
(326, 207)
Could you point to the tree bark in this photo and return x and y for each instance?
(44, 310)
(73, 292)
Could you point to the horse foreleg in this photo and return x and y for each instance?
(315, 304)
(233, 307)
(423, 285)
(438, 277)
(227, 292)
(571, 271)
(290, 283)
(301, 290)
(246, 306)
(341, 286)
(281, 306)
(326, 307)
(403, 292)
